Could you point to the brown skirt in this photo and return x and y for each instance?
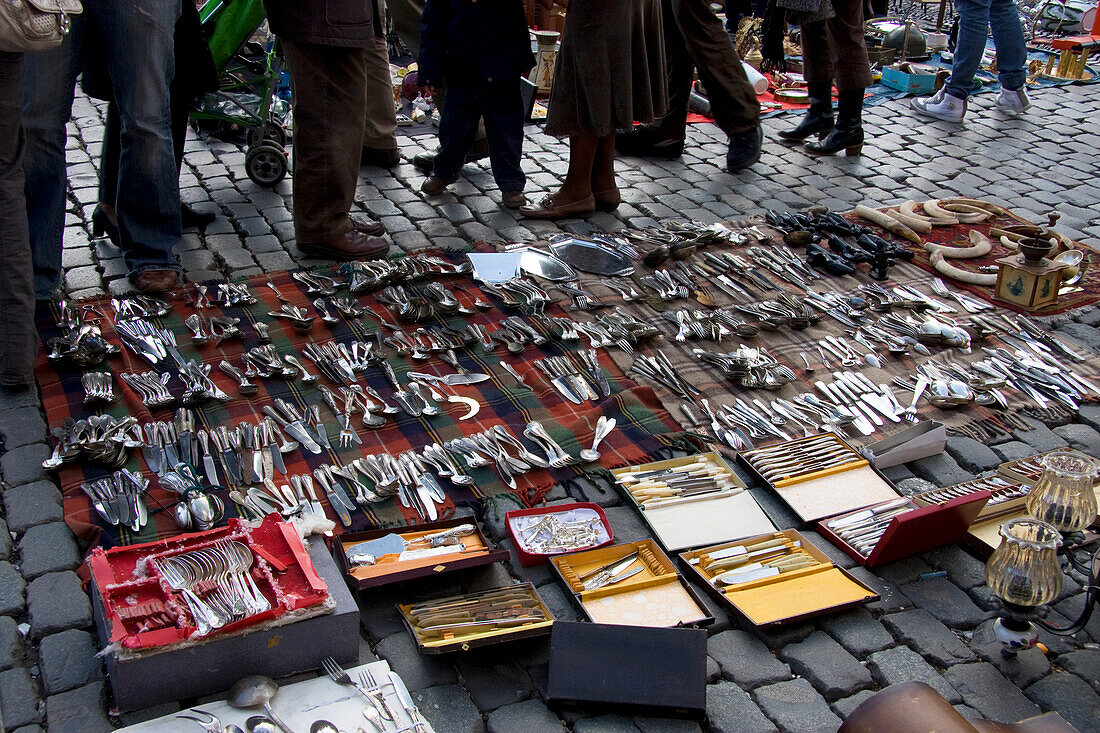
(610, 70)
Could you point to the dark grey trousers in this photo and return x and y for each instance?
(18, 340)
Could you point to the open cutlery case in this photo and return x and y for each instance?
(645, 592)
(420, 559)
(819, 476)
(680, 519)
(540, 533)
(475, 619)
(807, 583)
(902, 527)
(142, 610)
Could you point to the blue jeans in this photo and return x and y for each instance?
(138, 38)
(500, 104)
(975, 18)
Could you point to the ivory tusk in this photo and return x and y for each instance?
(978, 204)
(933, 209)
(967, 214)
(909, 208)
(888, 223)
(943, 267)
(980, 245)
(918, 224)
(1009, 243)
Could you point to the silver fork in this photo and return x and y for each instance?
(372, 688)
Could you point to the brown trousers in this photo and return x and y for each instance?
(695, 38)
(381, 117)
(330, 109)
(836, 50)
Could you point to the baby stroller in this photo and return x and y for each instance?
(249, 80)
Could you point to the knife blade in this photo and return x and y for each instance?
(208, 466)
(295, 430)
(319, 426)
(403, 696)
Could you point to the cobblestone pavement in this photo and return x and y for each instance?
(931, 621)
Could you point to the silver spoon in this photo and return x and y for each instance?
(604, 426)
(260, 724)
(323, 726)
(257, 690)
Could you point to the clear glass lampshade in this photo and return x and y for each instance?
(1024, 570)
(1064, 496)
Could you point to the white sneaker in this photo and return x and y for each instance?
(941, 105)
(1012, 100)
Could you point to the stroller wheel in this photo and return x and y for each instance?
(266, 163)
(271, 133)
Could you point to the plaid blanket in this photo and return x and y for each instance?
(644, 428)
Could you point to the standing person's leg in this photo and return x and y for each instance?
(501, 105)
(1008, 37)
(48, 101)
(664, 137)
(949, 103)
(141, 59)
(852, 74)
(457, 131)
(104, 218)
(379, 138)
(970, 46)
(326, 148)
(818, 72)
(732, 98)
(574, 197)
(17, 339)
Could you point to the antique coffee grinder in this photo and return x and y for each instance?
(1029, 279)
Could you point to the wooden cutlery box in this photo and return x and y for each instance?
(656, 596)
(388, 569)
(920, 529)
(702, 520)
(787, 597)
(519, 596)
(633, 670)
(851, 485)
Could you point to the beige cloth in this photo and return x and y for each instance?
(610, 71)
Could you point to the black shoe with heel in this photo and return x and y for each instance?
(818, 119)
(847, 135)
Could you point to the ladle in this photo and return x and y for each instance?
(257, 690)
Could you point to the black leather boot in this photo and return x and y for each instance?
(818, 119)
(847, 135)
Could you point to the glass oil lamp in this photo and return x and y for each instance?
(1064, 496)
(1024, 573)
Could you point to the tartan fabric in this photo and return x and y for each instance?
(958, 236)
(787, 345)
(644, 427)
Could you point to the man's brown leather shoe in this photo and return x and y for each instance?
(351, 245)
(155, 281)
(370, 228)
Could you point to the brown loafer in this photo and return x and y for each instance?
(548, 209)
(513, 199)
(351, 245)
(155, 281)
(434, 185)
(370, 228)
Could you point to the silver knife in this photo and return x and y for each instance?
(295, 429)
(208, 466)
(404, 698)
(319, 426)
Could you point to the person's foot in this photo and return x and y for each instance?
(351, 245)
(941, 106)
(190, 217)
(513, 199)
(550, 208)
(370, 228)
(103, 226)
(155, 281)
(744, 149)
(1013, 101)
(646, 142)
(425, 162)
(434, 185)
(379, 157)
(607, 200)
